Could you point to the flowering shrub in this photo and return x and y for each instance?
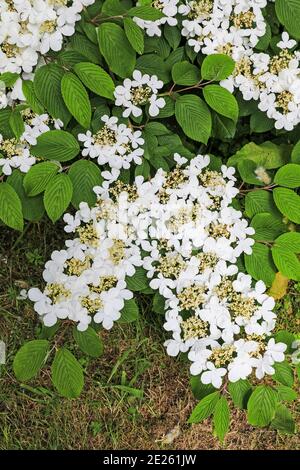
(161, 126)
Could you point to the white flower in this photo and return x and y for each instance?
(213, 375)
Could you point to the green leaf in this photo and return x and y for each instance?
(57, 196)
(138, 281)
(259, 201)
(284, 373)
(199, 389)
(130, 311)
(217, 67)
(153, 64)
(259, 264)
(30, 358)
(32, 207)
(221, 101)
(288, 176)
(88, 341)
(288, 202)
(113, 7)
(172, 35)
(287, 338)
(96, 79)
(261, 406)
(286, 393)
(146, 12)
(67, 374)
(16, 123)
(240, 392)
(56, 145)
(31, 98)
(286, 262)
(295, 157)
(143, 169)
(85, 175)
(46, 85)
(247, 170)
(194, 117)
(259, 122)
(221, 418)
(184, 73)
(205, 408)
(288, 13)
(267, 226)
(76, 99)
(87, 49)
(290, 241)
(9, 78)
(116, 49)
(158, 305)
(39, 175)
(283, 420)
(134, 35)
(10, 207)
(268, 155)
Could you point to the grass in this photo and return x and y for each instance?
(108, 415)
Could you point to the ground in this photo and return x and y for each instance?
(108, 415)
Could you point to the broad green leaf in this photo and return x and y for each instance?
(284, 373)
(184, 73)
(268, 155)
(153, 64)
(295, 157)
(10, 207)
(199, 389)
(138, 281)
(286, 393)
(39, 175)
(67, 374)
(76, 99)
(116, 49)
(32, 207)
(56, 145)
(205, 408)
(194, 117)
(288, 202)
(46, 85)
(240, 392)
(288, 12)
(260, 265)
(86, 48)
(247, 169)
(288, 176)
(31, 97)
(259, 201)
(221, 419)
(259, 122)
(146, 12)
(217, 67)
(287, 338)
(57, 196)
(85, 175)
(134, 35)
(88, 341)
(262, 406)
(158, 305)
(267, 226)
(130, 311)
(286, 262)
(29, 359)
(283, 420)
(96, 79)
(290, 241)
(16, 123)
(221, 101)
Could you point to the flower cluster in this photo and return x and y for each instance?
(29, 28)
(273, 81)
(115, 144)
(181, 228)
(226, 27)
(141, 91)
(15, 153)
